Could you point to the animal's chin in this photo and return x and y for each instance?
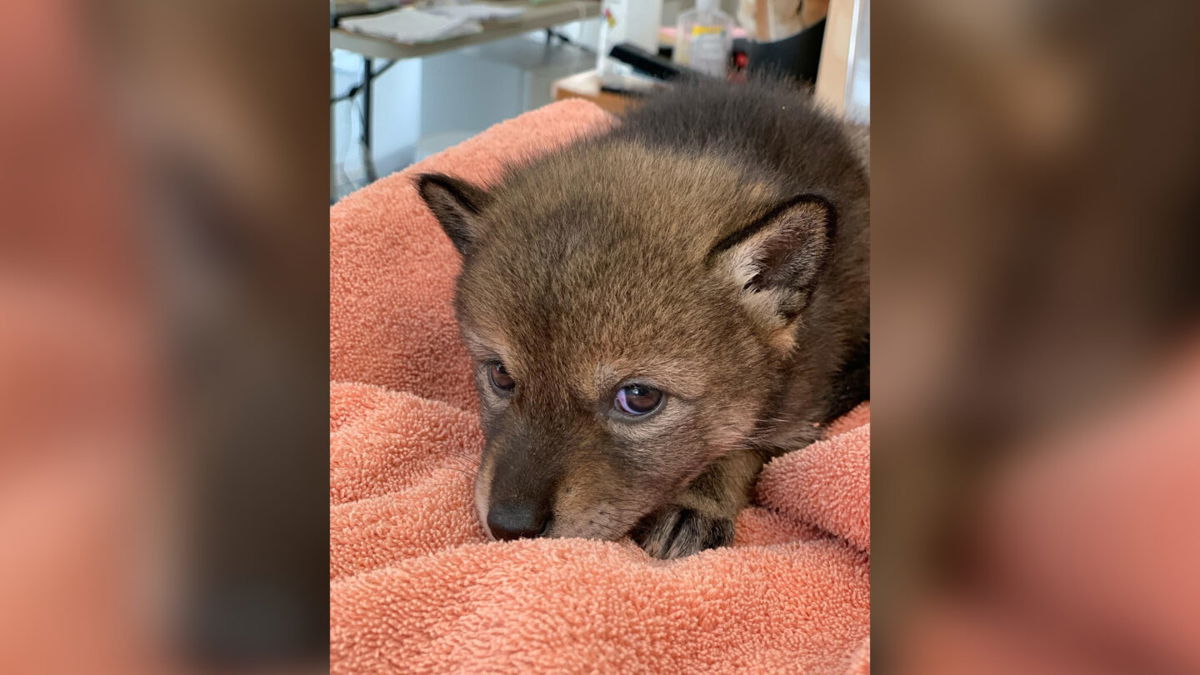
(606, 522)
(579, 526)
(595, 532)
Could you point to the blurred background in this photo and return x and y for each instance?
(414, 77)
(167, 173)
(1034, 316)
(163, 346)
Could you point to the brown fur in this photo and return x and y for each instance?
(730, 275)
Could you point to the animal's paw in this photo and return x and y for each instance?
(677, 531)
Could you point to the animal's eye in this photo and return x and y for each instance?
(638, 399)
(499, 377)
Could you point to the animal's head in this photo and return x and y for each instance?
(625, 335)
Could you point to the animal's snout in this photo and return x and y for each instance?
(517, 520)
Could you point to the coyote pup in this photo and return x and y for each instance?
(657, 311)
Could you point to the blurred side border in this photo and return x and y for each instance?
(164, 287)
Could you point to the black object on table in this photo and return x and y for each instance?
(796, 57)
(652, 64)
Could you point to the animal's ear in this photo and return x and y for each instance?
(456, 204)
(776, 261)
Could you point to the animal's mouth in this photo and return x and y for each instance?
(574, 510)
(606, 521)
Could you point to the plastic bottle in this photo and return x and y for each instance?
(633, 21)
(704, 39)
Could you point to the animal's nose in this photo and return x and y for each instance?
(517, 520)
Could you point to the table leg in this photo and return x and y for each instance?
(368, 158)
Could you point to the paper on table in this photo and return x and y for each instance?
(476, 11)
(412, 25)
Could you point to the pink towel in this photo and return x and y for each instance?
(415, 583)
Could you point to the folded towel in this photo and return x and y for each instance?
(415, 585)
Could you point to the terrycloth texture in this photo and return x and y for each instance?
(415, 584)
